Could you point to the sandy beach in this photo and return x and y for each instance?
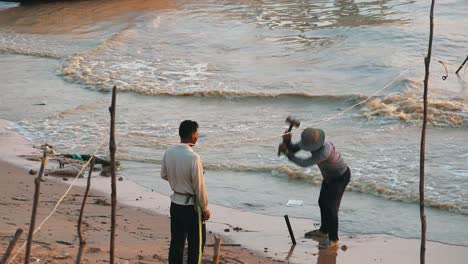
(143, 225)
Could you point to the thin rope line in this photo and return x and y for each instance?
(280, 135)
(58, 203)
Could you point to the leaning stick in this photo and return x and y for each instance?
(80, 219)
(461, 66)
(11, 246)
(427, 62)
(291, 233)
(216, 249)
(112, 149)
(37, 191)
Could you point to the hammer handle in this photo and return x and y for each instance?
(289, 130)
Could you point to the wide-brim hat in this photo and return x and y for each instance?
(312, 139)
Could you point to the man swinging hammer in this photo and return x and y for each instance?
(336, 175)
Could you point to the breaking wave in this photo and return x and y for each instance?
(408, 107)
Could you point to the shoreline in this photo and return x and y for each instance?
(266, 236)
(142, 235)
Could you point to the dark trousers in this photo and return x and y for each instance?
(329, 202)
(184, 225)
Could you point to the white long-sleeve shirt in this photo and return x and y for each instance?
(183, 169)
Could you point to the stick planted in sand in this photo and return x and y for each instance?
(80, 219)
(37, 190)
(291, 233)
(112, 149)
(216, 249)
(461, 66)
(427, 62)
(11, 246)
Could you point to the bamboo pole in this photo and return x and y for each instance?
(216, 249)
(11, 246)
(427, 62)
(112, 149)
(461, 66)
(80, 218)
(37, 191)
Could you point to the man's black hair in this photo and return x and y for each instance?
(187, 128)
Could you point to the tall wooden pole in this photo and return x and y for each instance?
(427, 62)
(80, 218)
(11, 246)
(37, 191)
(112, 149)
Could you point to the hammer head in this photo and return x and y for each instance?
(293, 122)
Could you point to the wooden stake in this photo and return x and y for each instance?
(80, 219)
(291, 233)
(112, 149)
(216, 249)
(461, 66)
(427, 62)
(37, 191)
(11, 246)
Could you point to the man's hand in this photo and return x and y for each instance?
(206, 215)
(287, 137)
(283, 148)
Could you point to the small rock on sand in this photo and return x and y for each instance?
(94, 250)
(226, 230)
(20, 198)
(64, 255)
(32, 172)
(103, 202)
(344, 248)
(64, 242)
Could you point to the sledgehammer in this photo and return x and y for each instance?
(292, 123)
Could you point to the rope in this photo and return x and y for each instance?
(59, 201)
(159, 142)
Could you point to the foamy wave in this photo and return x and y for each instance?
(80, 70)
(30, 52)
(362, 185)
(380, 189)
(408, 107)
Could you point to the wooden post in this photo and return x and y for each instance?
(461, 66)
(11, 246)
(112, 149)
(80, 218)
(216, 249)
(37, 191)
(291, 233)
(427, 62)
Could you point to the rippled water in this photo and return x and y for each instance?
(239, 68)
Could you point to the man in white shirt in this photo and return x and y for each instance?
(183, 168)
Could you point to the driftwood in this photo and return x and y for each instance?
(427, 62)
(11, 246)
(37, 191)
(216, 249)
(80, 218)
(112, 150)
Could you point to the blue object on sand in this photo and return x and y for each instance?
(77, 156)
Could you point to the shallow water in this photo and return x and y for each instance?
(239, 68)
